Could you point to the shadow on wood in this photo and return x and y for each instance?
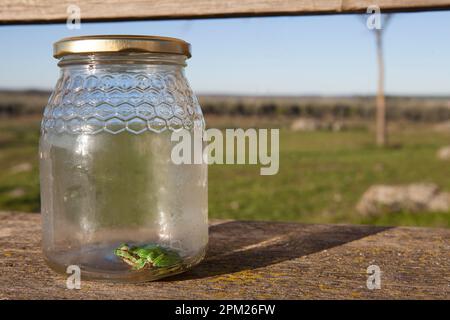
(237, 246)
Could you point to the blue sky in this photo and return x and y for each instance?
(329, 55)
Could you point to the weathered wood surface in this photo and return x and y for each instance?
(20, 11)
(254, 260)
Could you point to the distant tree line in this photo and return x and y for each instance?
(417, 109)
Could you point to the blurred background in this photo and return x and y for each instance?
(317, 78)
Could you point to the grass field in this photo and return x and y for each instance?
(322, 174)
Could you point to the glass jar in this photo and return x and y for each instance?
(113, 201)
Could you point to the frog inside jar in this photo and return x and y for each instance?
(113, 201)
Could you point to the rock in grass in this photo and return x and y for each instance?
(443, 127)
(440, 203)
(444, 153)
(22, 167)
(417, 197)
(304, 124)
(308, 124)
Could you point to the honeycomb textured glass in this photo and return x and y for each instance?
(116, 103)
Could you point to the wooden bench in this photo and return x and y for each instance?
(248, 260)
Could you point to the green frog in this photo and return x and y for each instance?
(150, 255)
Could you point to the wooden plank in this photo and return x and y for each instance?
(254, 260)
(50, 11)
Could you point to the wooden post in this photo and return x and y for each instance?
(381, 130)
(55, 11)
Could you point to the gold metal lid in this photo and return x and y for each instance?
(120, 43)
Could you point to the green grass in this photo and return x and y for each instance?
(19, 177)
(322, 175)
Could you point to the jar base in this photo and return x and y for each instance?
(93, 268)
